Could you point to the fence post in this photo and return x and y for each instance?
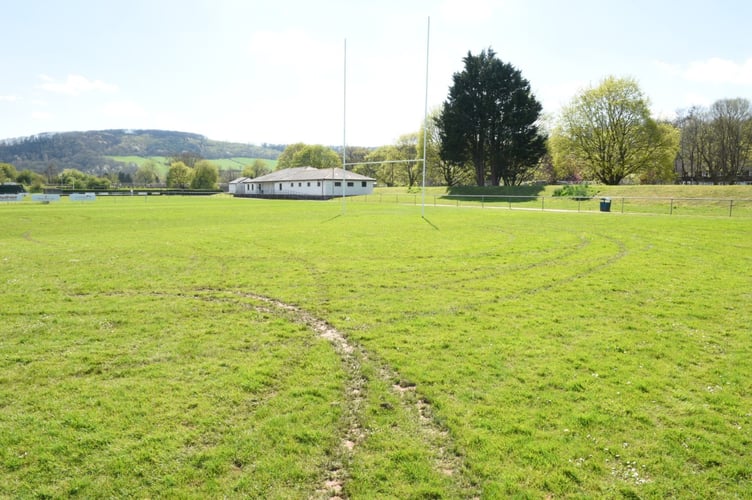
(483, 201)
(543, 203)
(671, 206)
(731, 206)
(622, 204)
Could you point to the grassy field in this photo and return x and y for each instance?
(718, 201)
(207, 347)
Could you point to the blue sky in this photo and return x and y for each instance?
(273, 71)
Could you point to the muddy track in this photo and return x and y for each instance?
(447, 459)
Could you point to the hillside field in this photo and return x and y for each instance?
(218, 347)
(236, 163)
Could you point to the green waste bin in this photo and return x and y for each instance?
(605, 204)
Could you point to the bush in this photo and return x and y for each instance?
(576, 191)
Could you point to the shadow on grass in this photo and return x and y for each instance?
(431, 224)
(500, 194)
(331, 218)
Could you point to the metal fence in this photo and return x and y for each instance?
(716, 207)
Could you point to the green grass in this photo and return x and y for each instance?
(563, 354)
(716, 201)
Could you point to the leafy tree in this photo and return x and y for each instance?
(50, 171)
(285, 159)
(29, 178)
(256, 169)
(356, 154)
(188, 158)
(438, 170)
(8, 172)
(73, 177)
(125, 177)
(205, 175)
(661, 169)
(306, 155)
(690, 124)
(490, 120)
(33, 181)
(608, 130)
(386, 173)
(727, 137)
(368, 169)
(316, 156)
(178, 175)
(147, 173)
(93, 182)
(567, 165)
(407, 149)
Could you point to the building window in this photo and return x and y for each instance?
(300, 184)
(350, 184)
(309, 184)
(318, 183)
(292, 184)
(363, 184)
(280, 186)
(337, 184)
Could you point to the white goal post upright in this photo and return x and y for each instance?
(425, 121)
(344, 129)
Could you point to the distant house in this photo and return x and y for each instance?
(232, 187)
(306, 183)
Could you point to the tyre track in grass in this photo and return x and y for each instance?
(447, 457)
(448, 460)
(353, 435)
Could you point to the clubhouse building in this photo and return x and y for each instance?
(304, 183)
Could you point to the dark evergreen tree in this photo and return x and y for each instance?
(490, 121)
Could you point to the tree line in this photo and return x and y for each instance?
(490, 131)
(184, 171)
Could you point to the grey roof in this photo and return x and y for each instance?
(309, 174)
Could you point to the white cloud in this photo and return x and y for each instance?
(717, 70)
(74, 85)
(713, 70)
(668, 68)
(8, 98)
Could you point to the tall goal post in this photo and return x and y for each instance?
(425, 121)
(344, 129)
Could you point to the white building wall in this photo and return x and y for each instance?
(352, 188)
(324, 188)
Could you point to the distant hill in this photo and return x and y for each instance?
(89, 151)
